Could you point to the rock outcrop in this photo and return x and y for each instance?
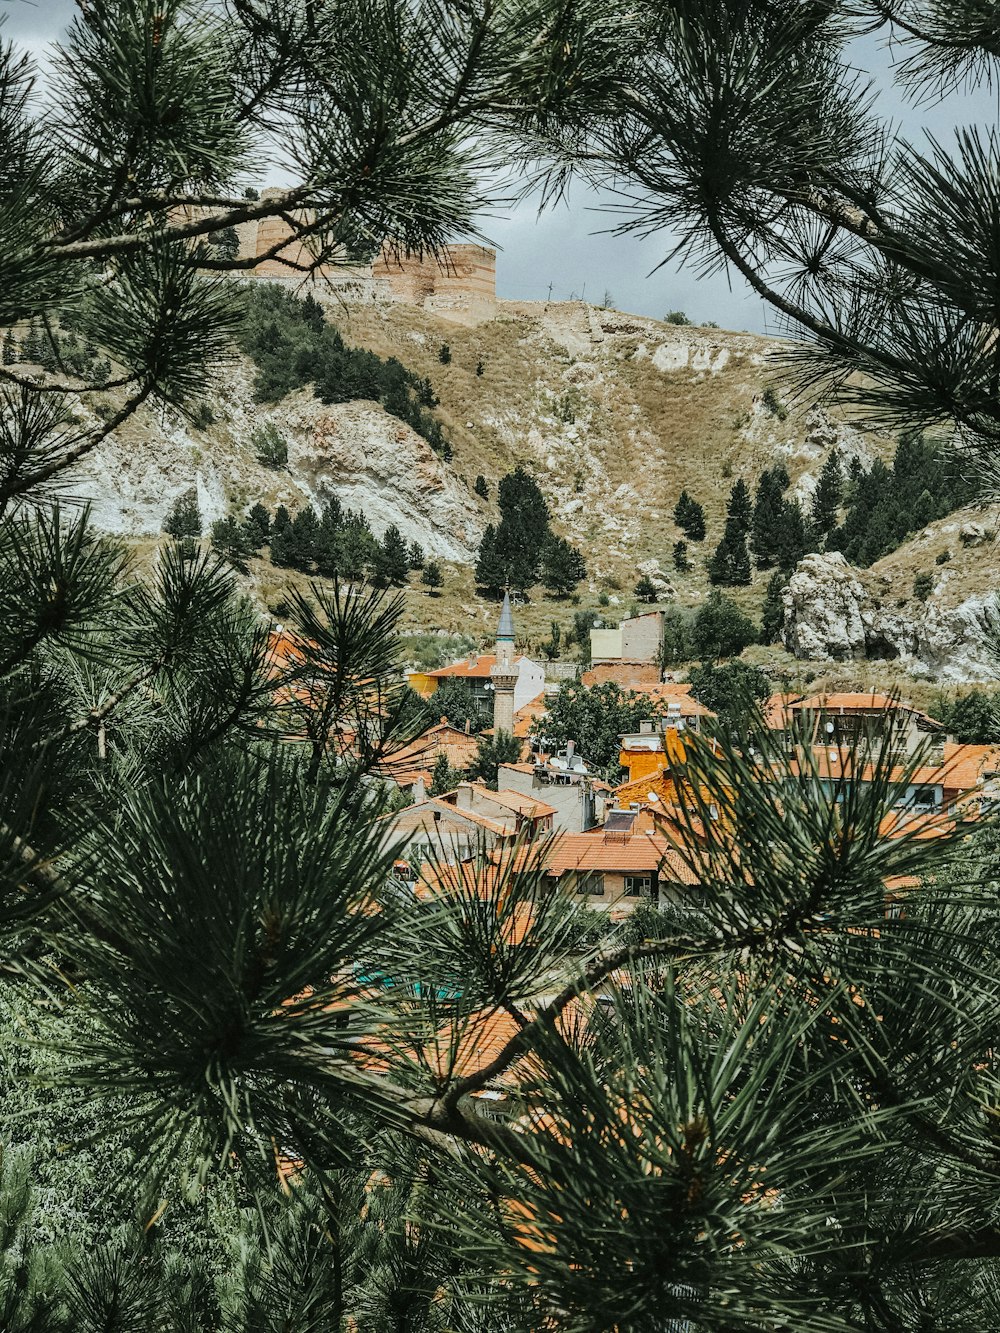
(833, 611)
(370, 460)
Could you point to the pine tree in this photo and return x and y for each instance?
(491, 752)
(680, 557)
(562, 566)
(482, 487)
(258, 526)
(184, 516)
(392, 565)
(491, 570)
(766, 515)
(739, 509)
(232, 540)
(415, 556)
(302, 538)
(791, 539)
(730, 562)
(645, 589)
(444, 354)
(431, 577)
(523, 530)
(192, 831)
(32, 350)
(689, 516)
(773, 612)
(358, 549)
(11, 350)
(827, 496)
(443, 776)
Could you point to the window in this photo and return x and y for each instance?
(590, 882)
(638, 886)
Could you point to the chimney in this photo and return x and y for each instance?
(419, 791)
(570, 749)
(464, 797)
(468, 726)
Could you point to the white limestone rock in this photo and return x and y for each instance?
(833, 611)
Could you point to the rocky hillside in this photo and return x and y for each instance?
(928, 605)
(615, 414)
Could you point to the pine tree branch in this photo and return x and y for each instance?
(519, 1045)
(20, 485)
(249, 211)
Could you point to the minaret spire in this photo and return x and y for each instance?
(504, 673)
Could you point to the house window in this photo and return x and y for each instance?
(638, 886)
(591, 883)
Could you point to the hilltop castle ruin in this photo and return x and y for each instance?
(460, 284)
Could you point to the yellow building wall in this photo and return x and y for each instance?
(642, 763)
(423, 684)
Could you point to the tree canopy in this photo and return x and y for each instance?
(464, 1108)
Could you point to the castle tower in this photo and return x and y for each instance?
(504, 674)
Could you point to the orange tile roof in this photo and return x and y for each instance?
(530, 712)
(640, 853)
(777, 710)
(857, 701)
(470, 668)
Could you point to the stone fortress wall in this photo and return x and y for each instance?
(459, 284)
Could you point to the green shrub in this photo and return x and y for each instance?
(270, 446)
(923, 586)
(773, 404)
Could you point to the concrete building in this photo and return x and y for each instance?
(636, 643)
(564, 782)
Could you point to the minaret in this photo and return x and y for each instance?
(504, 674)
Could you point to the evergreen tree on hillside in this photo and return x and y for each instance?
(282, 519)
(302, 539)
(233, 541)
(431, 577)
(358, 549)
(689, 516)
(510, 553)
(645, 589)
(482, 487)
(562, 566)
(827, 497)
(326, 549)
(740, 506)
(184, 518)
(491, 570)
(415, 556)
(392, 563)
(679, 555)
(773, 613)
(791, 535)
(730, 563)
(885, 505)
(765, 518)
(258, 525)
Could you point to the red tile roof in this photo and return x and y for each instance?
(470, 668)
(641, 853)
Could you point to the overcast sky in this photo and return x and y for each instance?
(566, 247)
